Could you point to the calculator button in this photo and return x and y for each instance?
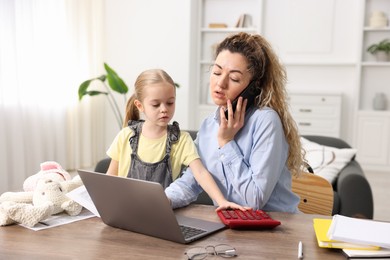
(249, 214)
(241, 214)
(226, 214)
(233, 214)
(257, 215)
(263, 214)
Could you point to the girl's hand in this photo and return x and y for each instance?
(229, 127)
(231, 205)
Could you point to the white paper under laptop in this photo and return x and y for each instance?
(142, 207)
(81, 196)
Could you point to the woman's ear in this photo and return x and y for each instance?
(139, 105)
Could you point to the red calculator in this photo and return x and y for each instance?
(249, 219)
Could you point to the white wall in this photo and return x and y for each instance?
(319, 41)
(145, 34)
(142, 34)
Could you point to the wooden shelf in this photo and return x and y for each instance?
(229, 29)
(372, 29)
(322, 63)
(376, 64)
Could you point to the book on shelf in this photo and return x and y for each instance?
(240, 21)
(244, 20)
(217, 25)
(360, 231)
(321, 227)
(366, 254)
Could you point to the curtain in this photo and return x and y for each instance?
(47, 49)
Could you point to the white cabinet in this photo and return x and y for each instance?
(373, 140)
(317, 114)
(372, 126)
(216, 20)
(375, 75)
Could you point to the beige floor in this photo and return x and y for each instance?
(380, 186)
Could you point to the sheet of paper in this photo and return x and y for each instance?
(81, 196)
(367, 253)
(60, 219)
(361, 231)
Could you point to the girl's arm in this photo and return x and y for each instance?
(113, 168)
(204, 178)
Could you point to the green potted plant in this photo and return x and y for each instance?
(381, 50)
(115, 83)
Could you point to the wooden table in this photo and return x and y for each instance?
(92, 239)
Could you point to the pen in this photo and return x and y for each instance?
(300, 250)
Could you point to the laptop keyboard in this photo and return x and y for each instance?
(190, 231)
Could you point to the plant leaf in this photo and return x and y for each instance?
(95, 93)
(114, 81)
(102, 78)
(83, 88)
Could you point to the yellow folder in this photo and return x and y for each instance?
(321, 227)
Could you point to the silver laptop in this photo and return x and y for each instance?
(142, 207)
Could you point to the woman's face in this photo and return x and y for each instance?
(229, 76)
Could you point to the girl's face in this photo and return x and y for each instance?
(229, 76)
(158, 105)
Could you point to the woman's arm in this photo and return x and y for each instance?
(204, 178)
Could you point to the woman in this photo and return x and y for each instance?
(253, 153)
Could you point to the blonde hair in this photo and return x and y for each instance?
(146, 78)
(269, 77)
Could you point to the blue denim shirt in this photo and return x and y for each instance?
(250, 170)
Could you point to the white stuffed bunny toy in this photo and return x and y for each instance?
(47, 198)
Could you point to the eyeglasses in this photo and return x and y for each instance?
(223, 250)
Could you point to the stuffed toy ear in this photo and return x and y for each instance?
(49, 170)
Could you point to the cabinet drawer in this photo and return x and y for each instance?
(320, 124)
(314, 111)
(299, 99)
(327, 127)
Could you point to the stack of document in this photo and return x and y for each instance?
(360, 231)
(357, 237)
(321, 227)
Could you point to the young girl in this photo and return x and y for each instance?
(153, 150)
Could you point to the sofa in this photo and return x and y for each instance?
(352, 192)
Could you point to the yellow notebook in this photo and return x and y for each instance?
(321, 227)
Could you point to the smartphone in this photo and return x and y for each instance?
(248, 93)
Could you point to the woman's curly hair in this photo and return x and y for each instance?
(269, 77)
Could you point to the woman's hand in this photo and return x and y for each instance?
(231, 205)
(229, 127)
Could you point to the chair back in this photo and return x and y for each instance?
(315, 192)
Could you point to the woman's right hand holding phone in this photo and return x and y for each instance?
(229, 126)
